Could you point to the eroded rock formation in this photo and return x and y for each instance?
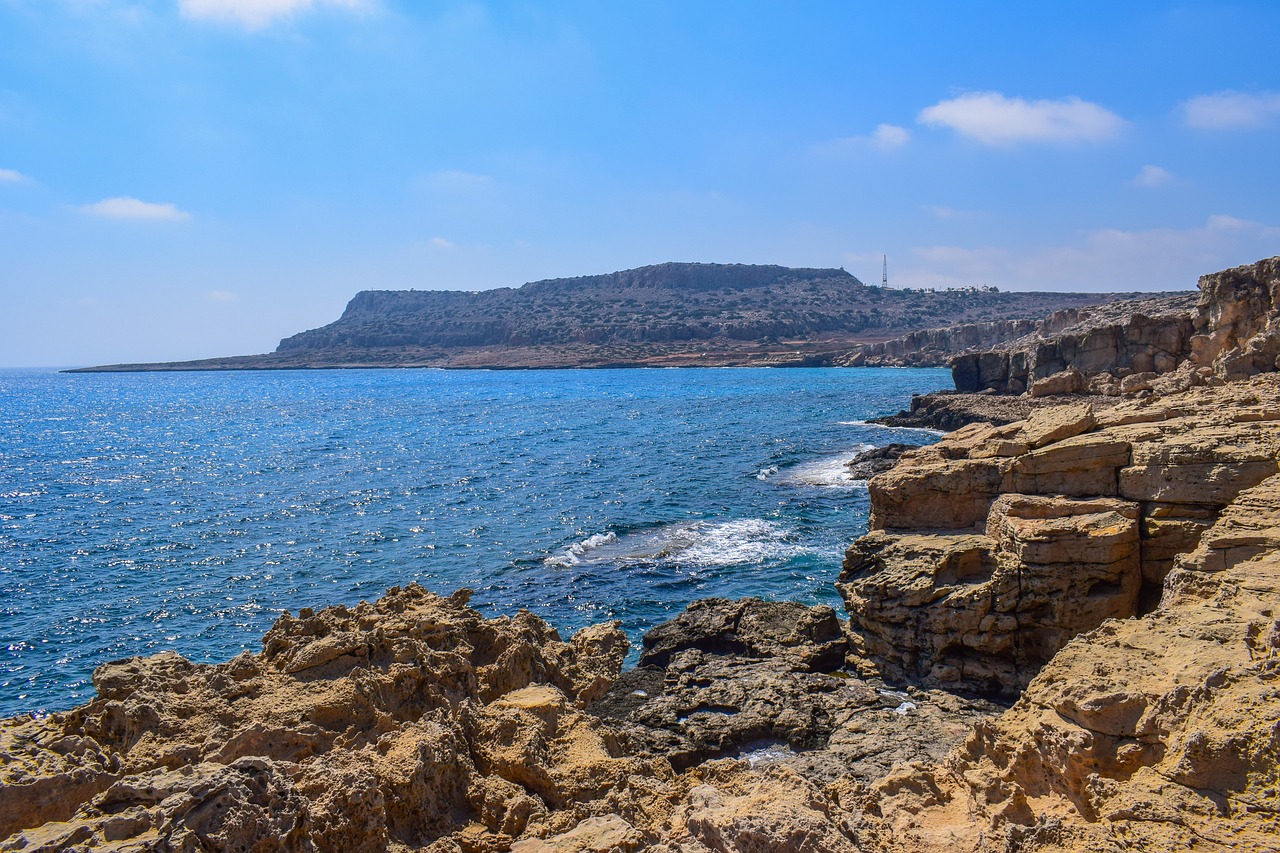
(993, 548)
(1167, 344)
(390, 724)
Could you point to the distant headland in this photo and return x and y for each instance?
(666, 315)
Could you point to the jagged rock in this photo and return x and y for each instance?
(731, 677)
(381, 724)
(1150, 734)
(877, 460)
(249, 805)
(809, 636)
(1230, 332)
(608, 834)
(779, 811)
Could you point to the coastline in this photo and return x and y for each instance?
(1062, 637)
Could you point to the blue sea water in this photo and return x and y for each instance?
(143, 512)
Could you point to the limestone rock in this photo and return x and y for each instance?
(1069, 381)
(1055, 423)
(716, 682)
(987, 611)
(361, 727)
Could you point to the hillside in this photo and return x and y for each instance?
(674, 313)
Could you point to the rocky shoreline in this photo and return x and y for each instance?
(1062, 636)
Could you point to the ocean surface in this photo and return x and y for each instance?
(143, 512)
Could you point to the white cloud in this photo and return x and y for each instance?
(889, 136)
(257, 14)
(1103, 260)
(9, 176)
(991, 118)
(1152, 176)
(131, 208)
(441, 243)
(223, 296)
(886, 137)
(1231, 110)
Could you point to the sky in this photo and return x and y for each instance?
(192, 178)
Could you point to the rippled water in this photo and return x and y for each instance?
(141, 512)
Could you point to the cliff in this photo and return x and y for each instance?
(1124, 347)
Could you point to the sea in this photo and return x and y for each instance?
(142, 512)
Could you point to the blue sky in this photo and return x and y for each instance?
(190, 178)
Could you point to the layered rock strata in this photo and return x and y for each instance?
(1169, 344)
(994, 547)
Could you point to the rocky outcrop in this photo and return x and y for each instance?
(396, 723)
(877, 460)
(1105, 327)
(991, 549)
(936, 347)
(773, 681)
(1232, 331)
(1157, 733)
(1119, 339)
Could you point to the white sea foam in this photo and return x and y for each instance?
(829, 471)
(573, 555)
(768, 754)
(693, 543)
(928, 430)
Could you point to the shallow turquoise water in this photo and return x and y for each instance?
(141, 512)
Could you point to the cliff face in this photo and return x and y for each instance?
(990, 550)
(1229, 333)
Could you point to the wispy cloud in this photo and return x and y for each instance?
(993, 119)
(947, 212)
(1103, 260)
(131, 208)
(886, 137)
(9, 176)
(1152, 176)
(223, 296)
(441, 243)
(1231, 110)
(257, 14)
(889, 136)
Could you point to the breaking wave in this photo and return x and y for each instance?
(827, 471)
(692, 543)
